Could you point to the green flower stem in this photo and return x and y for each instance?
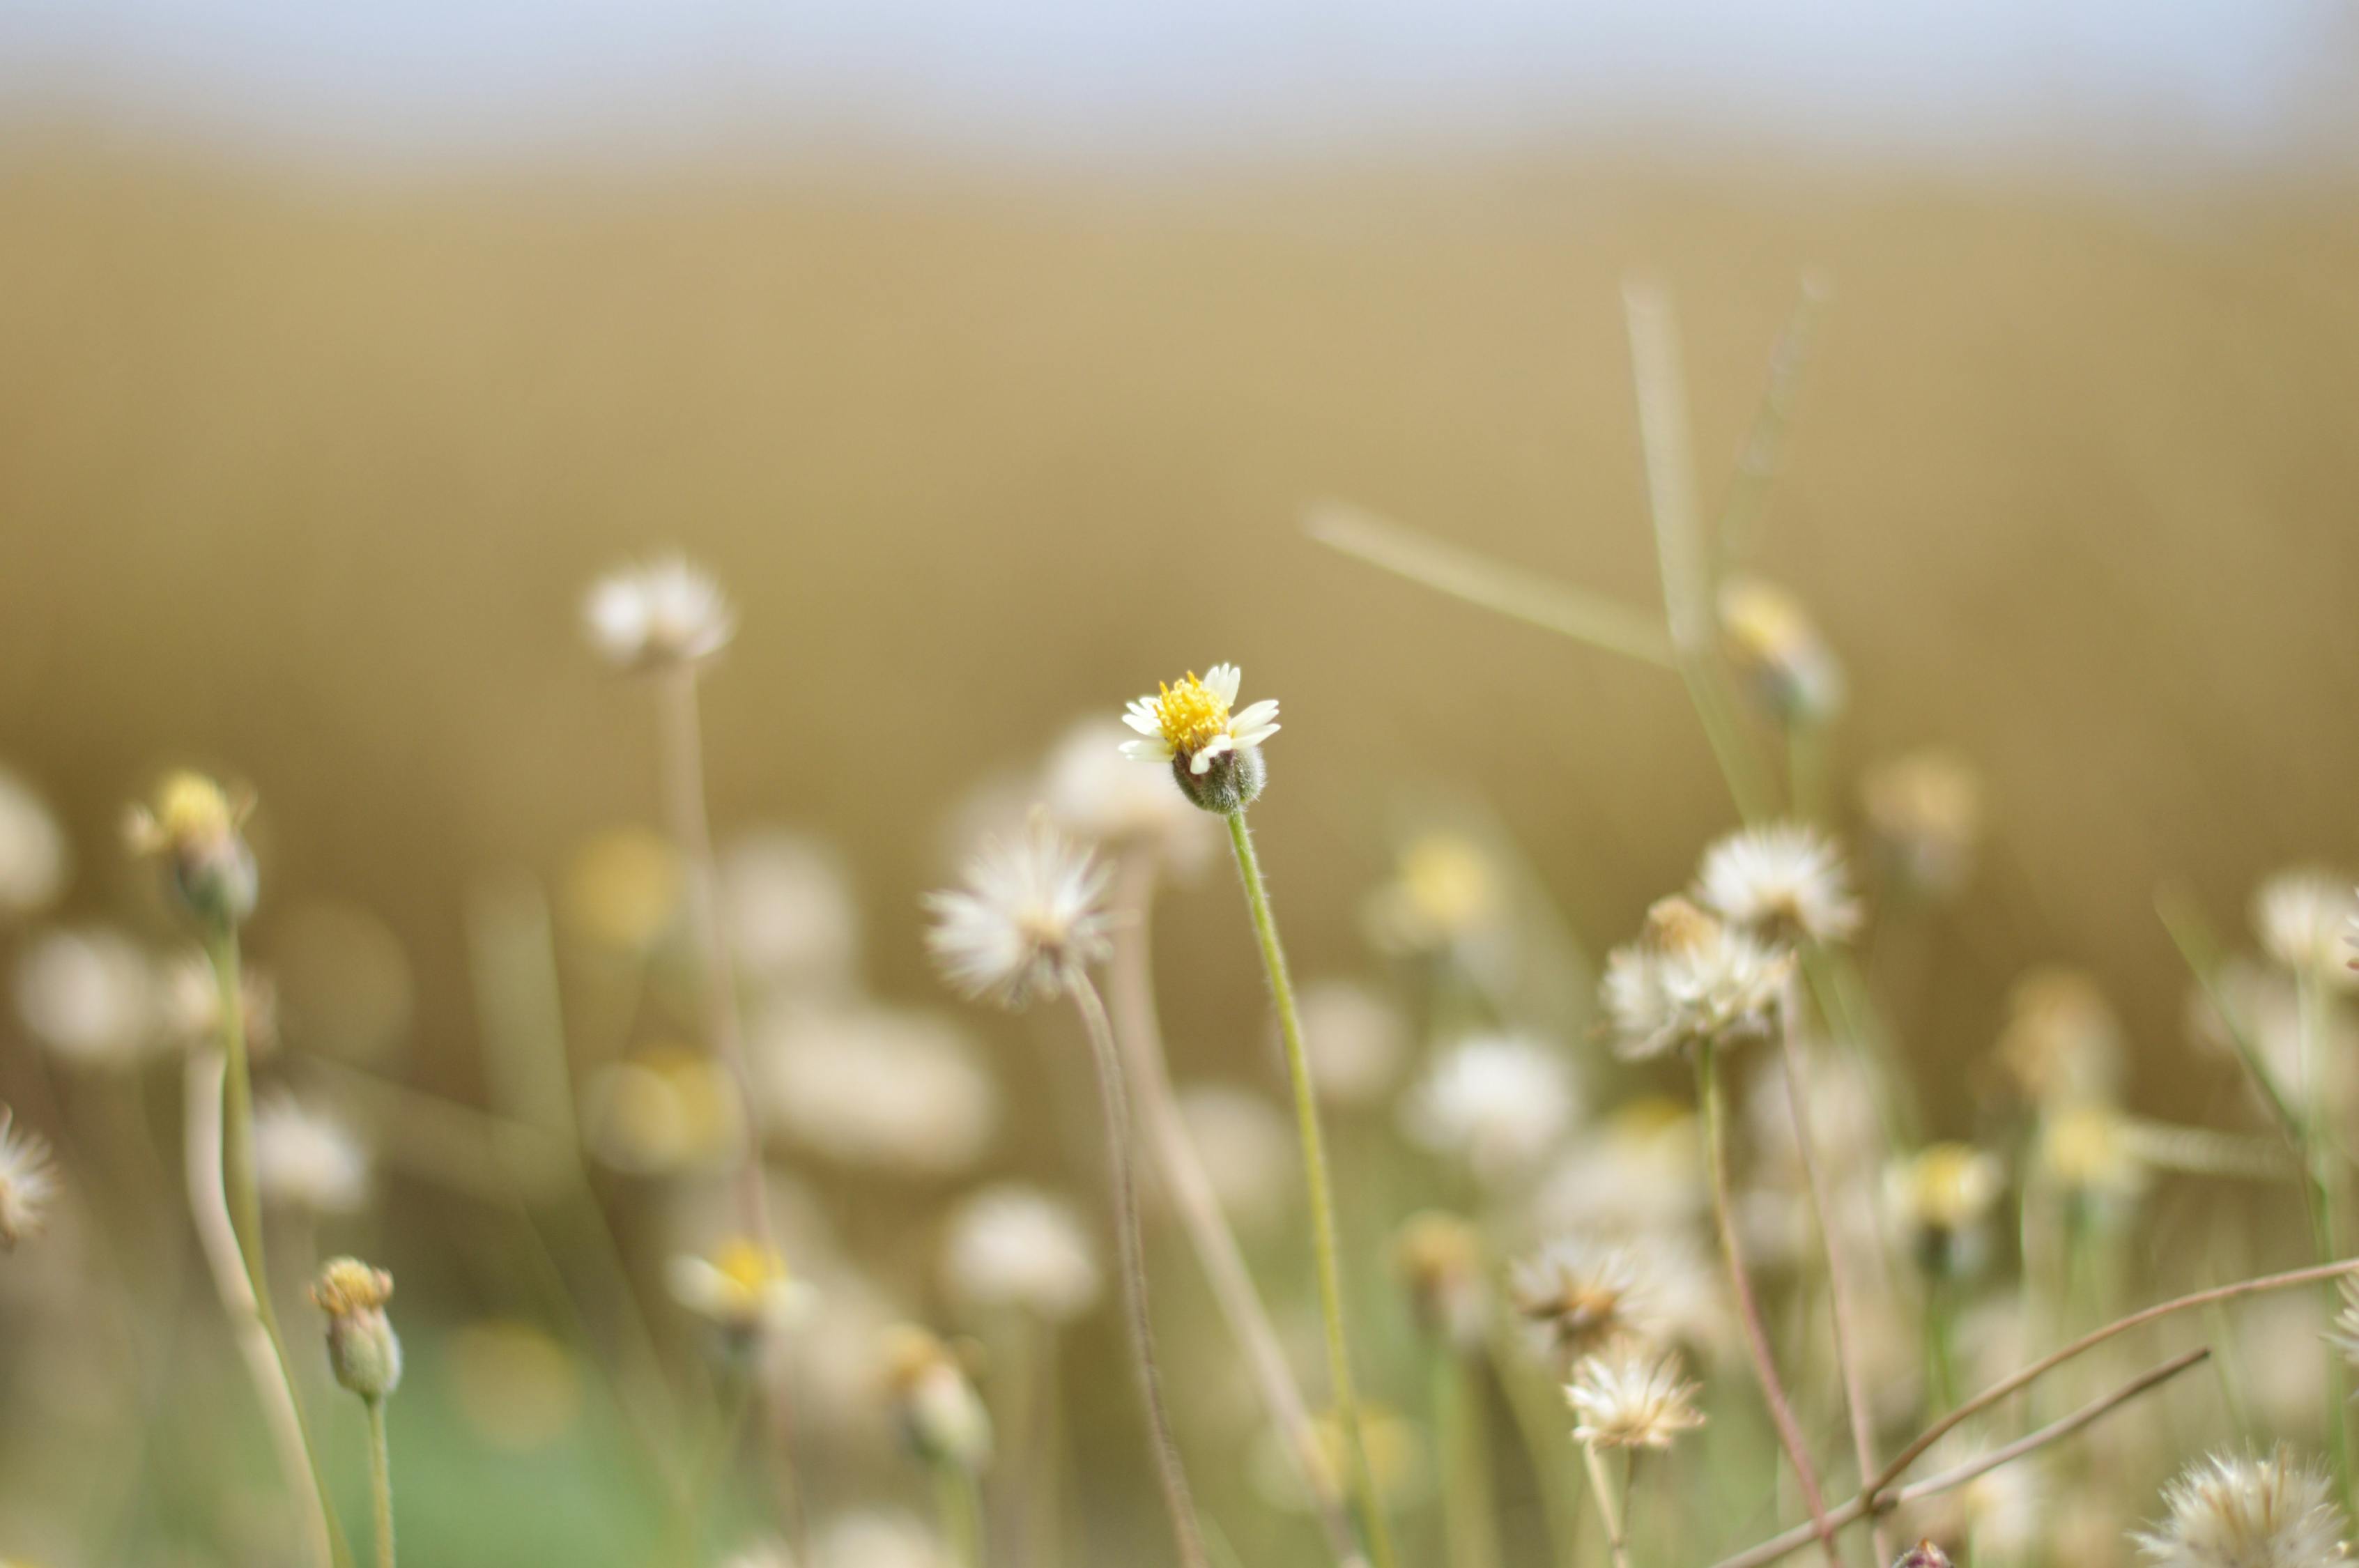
(1749, 1306)
(958, 1498)
(237, 1116)
(1616, 1545)
(381, 1481)
(1547, 1440)
(2320, 1156)
(1322, 1204)
(1469, 1510)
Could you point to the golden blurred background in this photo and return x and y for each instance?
(304, 477)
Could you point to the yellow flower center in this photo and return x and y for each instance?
(749, 1269)
(1191, 714)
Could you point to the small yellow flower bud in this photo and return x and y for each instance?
(192, 826)
(363, 1349)
(940, 1415)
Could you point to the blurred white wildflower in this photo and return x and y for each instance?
(1689, 979)
(189, 1005)
(2000, 1514)
(193, 828)
(2090, 1149)
(1191, 721)
(1638, 1171)
(1247, 1148)
(89, 995)
(666, 612)
(1357, 1041)
(2244, 1511)
(1439, 1258)
(1030, 922)
(2262, 1004)
(941, 1416)
(875, 1539)
(34, 860)
(663, 1109)
(741, 1285)
(2302, 917)
(1924, 812)
(1780, 880)
(1630, 1395)
(877, 1087)
(28, 1181)
(308, 1160)
(1839, 1096)
(1940, 1199)
(1498, 1102)
(789, 911)
(1444, 892)
(2344, 1332)
(2062, 1039)
(1096, 793)
(1579, 1296)
(1015, 1246)
(622, 888)
(1785, 665)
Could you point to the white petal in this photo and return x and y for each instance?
(1146, 723)
(1256, 735)
(1202, 761)
(1256, 716)
(1221, 681)
(1151, 750)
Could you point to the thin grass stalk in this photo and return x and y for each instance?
(1374, 1526)
(243, 1193)
(1841, 1285)
(257, 1345)
(1469, 1512)
(1545, 1439)
(1116, 1104)
(1756, 465)
(1130, 984)
(1609, 1512)
(1793, 1539)
(2320, 1156)
(958, 1502)
(380, 1481)
(1748, 1305)
(691, 828)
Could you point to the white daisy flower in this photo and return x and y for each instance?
(2302, 918)
(1689, 979)
(28, 1181)
(666, 612)
(1779, 880)
(877, 1088)
(741, 1285)
(1030, 922)
(308, 1160)
(1631, 1397)
(1498, 1102)
(2240, 1511)
(1192, 722)
(1015, 1246)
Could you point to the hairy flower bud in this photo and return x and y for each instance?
(192, 828)
(363, 1349)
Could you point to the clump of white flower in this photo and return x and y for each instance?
(1941, 1200)
(1690, 980)
(1780, 881)
(665, 613)
(1498, 1102)
(28, 1181)
(1924, 812)
(1028, 922)
(743, 1287)
(308, 1160)
(2243, 1511)
(1632, 1397)
(789, 911)
(89, 995)
(1096, 793)
(877, 1088)
(1016, 1246)
(878, 1540)
(1214, 754)
(2303, 918)
(34, 860)
(1581, 1296)
(1637, 1172)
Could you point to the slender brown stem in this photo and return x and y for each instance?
(1749, 1306)
(1999, 1391)
(1116, 1104)
(1131, 987)
(691, 829)
(1840, 1280)
(1793, 1539)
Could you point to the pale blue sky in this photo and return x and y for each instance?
(2216, 81)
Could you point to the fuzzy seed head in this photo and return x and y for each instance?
(1781, 881)
(1690, 980)
(1631, 1397)
(2241, 1511)
(28, 1181)
(665, 613)
(1030, 922)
